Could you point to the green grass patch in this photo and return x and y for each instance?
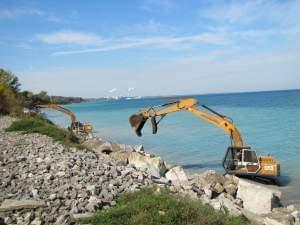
(41, 125)
(148, 207)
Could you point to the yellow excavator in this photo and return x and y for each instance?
(76, 126)
(239, 159)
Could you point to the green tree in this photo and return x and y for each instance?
(10, 102)
(9, 79)
(42, 97)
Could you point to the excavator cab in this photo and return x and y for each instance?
(241, 161)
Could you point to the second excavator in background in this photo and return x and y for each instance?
(239, 159)
(76, 127)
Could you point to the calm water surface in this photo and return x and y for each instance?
(269, 122)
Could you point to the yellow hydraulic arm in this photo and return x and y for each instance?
(75, 125)
(61, 109)
(189, 104)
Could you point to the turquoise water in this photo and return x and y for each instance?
(269, 122)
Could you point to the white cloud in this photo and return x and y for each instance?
(158, 5)
(69, 37)
(12, 13)
(163, 41)
(231, 11)
(112, 90)
(270, 13)
(25, 46)
(150, 26)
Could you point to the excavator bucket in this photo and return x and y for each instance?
(137, 122)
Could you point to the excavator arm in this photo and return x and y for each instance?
(60, 109)
(138, 121)
(75, 125)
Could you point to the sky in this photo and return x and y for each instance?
(151, 47)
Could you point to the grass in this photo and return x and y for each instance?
(148, 207)
(41, 125)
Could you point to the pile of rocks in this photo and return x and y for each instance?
(259, 203)
(43, 182)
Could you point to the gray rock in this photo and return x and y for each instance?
(63, 220)
(36, 221)
(229, 205)
(208, 192)
(296, 215)
(278, 219)
(139, 148)
(82, 216)
(177, 176)
(161, 180)
(11, 204)
(230, 188)
(258, 198)
(34, 193)
(218, 188)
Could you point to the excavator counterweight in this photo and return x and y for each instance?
(239, 158)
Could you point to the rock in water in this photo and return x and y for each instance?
(257, 198)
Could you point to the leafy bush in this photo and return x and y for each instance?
(41, 125)
(148, 207)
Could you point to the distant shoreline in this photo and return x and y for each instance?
(179, 96)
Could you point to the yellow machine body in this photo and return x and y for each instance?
(239, 158)
(76, 126)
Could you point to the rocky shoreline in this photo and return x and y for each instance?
(43, 182)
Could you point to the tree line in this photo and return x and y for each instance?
(13, 100)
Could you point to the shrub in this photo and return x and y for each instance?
(148, 207)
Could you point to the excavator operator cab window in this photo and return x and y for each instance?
(249, 156)
(240, 160)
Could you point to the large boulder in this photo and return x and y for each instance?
(155, 165)
(258, 198)
(211, 180)
(177, 176)
(226, 204)
(208, 178)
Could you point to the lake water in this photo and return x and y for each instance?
(269, 122)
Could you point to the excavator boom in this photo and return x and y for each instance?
(60, 109)
(138, 121)
(75, 125)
